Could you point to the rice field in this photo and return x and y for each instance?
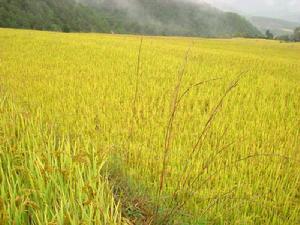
(116, 129)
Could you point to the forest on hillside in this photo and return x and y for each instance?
(157, 17)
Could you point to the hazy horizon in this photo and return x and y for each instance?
(282, 9)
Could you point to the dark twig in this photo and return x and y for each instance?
(195, 85)
(193, 153)
(169, 129)
(137, 76)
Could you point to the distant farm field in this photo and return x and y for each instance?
(112, 129)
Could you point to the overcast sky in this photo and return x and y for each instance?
(286, 9)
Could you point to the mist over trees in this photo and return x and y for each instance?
(155, 17)
(295, 37)
(297, 34)
(269, 35)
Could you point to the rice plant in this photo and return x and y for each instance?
(116, 129)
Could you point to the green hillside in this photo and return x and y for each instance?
(156, 17)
